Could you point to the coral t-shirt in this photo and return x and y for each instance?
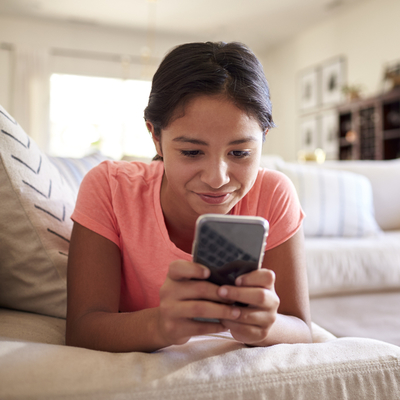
(121, 201)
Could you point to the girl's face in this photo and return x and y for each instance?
(211, 158)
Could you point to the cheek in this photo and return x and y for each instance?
(178, 174)
(247, 174)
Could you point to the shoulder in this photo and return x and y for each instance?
(272, 182)
(121, 171)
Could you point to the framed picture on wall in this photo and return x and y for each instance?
(332, 81)
(329, 134)
(309, 134)
(308, 89)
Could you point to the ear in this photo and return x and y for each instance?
(156, 140)
(265, 134)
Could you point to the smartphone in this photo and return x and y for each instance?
(229, 245)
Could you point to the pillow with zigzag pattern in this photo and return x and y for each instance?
(37, 199)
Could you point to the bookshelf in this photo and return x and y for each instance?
(369, 129)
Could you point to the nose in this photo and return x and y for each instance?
(215, 173)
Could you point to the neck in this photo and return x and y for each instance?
(179, 223)
(182, 238)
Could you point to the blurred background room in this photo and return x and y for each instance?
(76, 74)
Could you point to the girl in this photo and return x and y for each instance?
(131, 283)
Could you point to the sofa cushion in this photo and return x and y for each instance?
(369, 315)
(31, 327)
(384, 176)
(35, 225)
(336, 203)
(353, 265)
(207, 367)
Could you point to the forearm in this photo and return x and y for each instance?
(117, 332)
(287, 329)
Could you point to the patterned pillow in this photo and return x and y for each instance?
(35, 226)
(337, 203)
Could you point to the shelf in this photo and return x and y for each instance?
(391, 134)
(391, 149)
(374, 124)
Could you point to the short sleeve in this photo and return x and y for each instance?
(94, 206)
(279, 204)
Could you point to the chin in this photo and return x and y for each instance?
(216, 209)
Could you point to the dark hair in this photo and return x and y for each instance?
(194, 69)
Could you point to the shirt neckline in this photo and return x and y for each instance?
(160, 216)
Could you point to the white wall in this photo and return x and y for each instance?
(5, 77)
(48, 34)
(367, 34)
(75, 48)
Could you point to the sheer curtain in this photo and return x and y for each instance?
(31, 92)
(5, 75)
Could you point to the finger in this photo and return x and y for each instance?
(188, 328)
(246, 333)
(254, 296)
(182, 270)
(256, 317)
(263, 277)
(193, 290)
(179, 331)
(203, 309)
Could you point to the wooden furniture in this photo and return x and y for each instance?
(369, 129)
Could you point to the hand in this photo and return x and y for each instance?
(185, 295)
(257, 289)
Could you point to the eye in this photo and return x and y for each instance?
(240, 153)
(190, 153)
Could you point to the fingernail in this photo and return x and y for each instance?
(239, 281)
(235, 312)
(223, 292)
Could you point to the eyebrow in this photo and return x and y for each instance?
(184, 139)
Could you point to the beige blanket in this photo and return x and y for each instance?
(207, 367)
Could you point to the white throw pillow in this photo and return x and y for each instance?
(336, 203)
(35, 225)
(384, 176)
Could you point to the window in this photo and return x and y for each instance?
(92, 113)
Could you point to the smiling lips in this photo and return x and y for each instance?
(214, 198)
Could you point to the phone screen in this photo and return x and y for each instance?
(229, 247)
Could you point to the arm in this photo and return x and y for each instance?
(93, 290)
(278, 297)
(93, 320)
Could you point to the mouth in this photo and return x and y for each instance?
(214, 198)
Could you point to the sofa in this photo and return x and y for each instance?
(352, 231)
(37, 196)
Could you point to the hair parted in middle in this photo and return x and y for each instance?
(195, 69)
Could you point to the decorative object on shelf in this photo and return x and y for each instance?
(352, 92)
(351, 136)
(332, 81)
(318, 155)
(392, 74)
(309, 89)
